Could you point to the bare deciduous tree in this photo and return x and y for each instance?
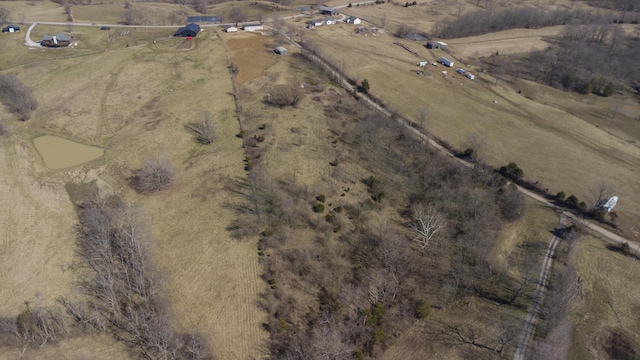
(600, 195)
(428, 224)
(204, 131)
(4, 15)
(155, 174)
(285, 95)
(236, 15)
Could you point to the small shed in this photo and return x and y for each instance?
(252, 26)
(189, 30)
(433, 45)
(325, 10)
(281, 50)
(313, 23)
(354, 20)
(330, 21)
(230, 29)
(423, 63)
(11, 28)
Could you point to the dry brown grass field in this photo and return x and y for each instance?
(608, 298)
(134, 101)
(552, 145)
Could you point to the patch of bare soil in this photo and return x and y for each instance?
(251, 53)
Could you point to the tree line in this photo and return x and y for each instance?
(121, 292)
(485, 21)
(597, 58)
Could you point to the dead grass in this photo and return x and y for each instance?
(536, 226)
(97, 347)
(610, 298)
(251, 53)
(35, 11)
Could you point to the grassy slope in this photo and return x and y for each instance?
(135, 101)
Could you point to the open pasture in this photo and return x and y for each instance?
(134, 101)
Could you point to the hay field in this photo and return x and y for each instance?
(505, 42)
(609, 297)
(35, 11)
(560, 150)
(135, 101)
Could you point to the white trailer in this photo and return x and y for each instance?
(446, 62)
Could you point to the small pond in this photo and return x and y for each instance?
(60, 153)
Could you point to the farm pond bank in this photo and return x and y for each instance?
(59, 153)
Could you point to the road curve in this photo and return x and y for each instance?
(27, 37)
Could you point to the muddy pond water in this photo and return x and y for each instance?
(60, 153)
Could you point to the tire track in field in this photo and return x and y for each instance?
(538, 297)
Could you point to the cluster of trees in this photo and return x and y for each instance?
(17, 97)
(122, 285)
(363, 280)
(121, 292)
(155, 174)
(620, 5)
(485, 21)
(596, 58)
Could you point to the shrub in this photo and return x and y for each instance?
(423, 310)
(561, 196)
(512, 170)
(349, 5)
(608, 90)
(378, 335)
(155, 174)
(572, 200)
(364, 86)
(285, 95)
(334, 163)
(17, 97)
(241, 134)
(204, 131)
(321, 198)
(370, 181)
(625, 248)
(329, 218)
(319, 208)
